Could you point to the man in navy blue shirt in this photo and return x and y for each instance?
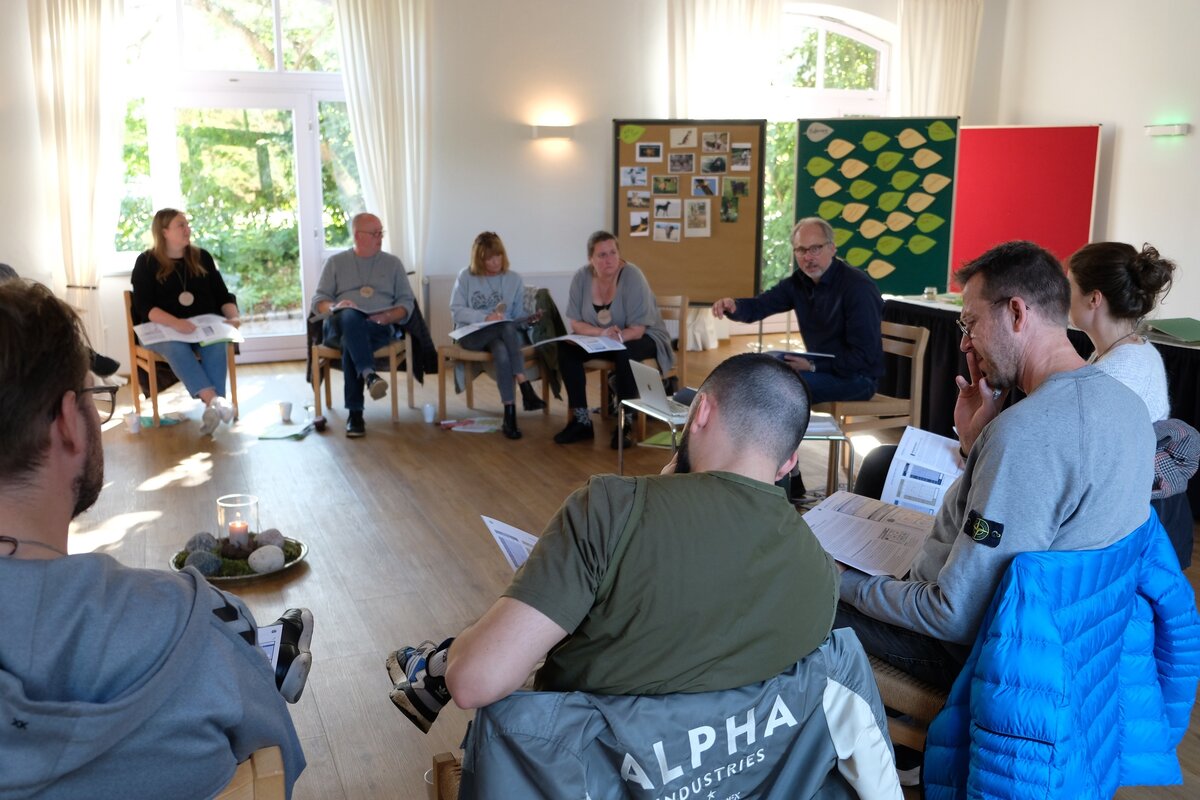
(839, 310)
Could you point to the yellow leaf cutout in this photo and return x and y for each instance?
(888, 160)
(871, 228)
(853, 212)
(908, 139)
(852, 168)
(925, 158)
(880, 269)
(839, 148)
(841, 236)
(934, 183)
(898, 221)
(825, 187)
(889, 200)
(918, 201)
(926, 223)
(939, 131)
(904, 179)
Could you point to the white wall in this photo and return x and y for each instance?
(499, 67)
(1125, 65)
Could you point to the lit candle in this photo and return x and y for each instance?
(239, 533)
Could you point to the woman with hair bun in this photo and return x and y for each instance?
(1114, 287)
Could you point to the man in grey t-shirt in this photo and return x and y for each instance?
(1063, 469)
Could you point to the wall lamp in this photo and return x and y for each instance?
(552, 131)
(1180, 129)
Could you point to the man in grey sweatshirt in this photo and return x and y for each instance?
(1063, 469)
(114, 682)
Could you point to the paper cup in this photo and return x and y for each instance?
(133, 423)
(285, 411)
(428, 411)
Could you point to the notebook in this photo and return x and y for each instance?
(653, 397)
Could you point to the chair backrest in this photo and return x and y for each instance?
(909, 341)
(816, 729)
(675, 306)
(260, 777)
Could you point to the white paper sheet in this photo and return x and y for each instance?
(924, 468)
(868, 534)
(514, 543)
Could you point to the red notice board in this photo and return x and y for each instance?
(1035, 183)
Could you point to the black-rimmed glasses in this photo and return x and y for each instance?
(105, 399)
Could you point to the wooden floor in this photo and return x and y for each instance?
(397, 552)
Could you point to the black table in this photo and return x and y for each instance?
(944, 360)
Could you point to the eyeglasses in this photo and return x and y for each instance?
(373, 234)
(811, 250)
(105, 399)
(967, 327)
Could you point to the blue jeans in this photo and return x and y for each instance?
(206, 373)
(358, 338)
(921, 656)
(503, 341)
(824, 387)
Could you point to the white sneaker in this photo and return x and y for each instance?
(223, 408)
(210, 419)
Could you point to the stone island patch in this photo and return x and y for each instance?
(984, 531)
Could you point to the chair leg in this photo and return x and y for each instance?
(408, 360)
(604, 398)
(394, 368)
(469, 380)
(545, 397)
(153, 372)
(233, 381)
(316, 384)
(135, 390)
(444, 366)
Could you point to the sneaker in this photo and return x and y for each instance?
(418, 695)
(209, 420)
(295, 660)
(626, 444)
(355, 429)
(575, 431)
(223, 408)
(376, 386)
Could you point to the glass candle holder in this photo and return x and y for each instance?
(237, 517)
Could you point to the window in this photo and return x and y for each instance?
(827, 69)
(238, 117)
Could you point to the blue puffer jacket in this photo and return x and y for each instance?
(1081, 680)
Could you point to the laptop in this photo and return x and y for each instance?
(652, 398)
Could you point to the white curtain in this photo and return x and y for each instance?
(76, 45)
(385, 64)
(938, 39)
(721, 55)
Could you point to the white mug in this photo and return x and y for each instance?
(428, 410)
(285, 411)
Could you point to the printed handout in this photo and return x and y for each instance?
(924, 467)
(868, 534)
(591, 344)
(210, 328)
(514, 543)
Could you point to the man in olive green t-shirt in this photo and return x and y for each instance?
(700, 579)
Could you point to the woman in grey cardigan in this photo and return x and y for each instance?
(488, 291)
(609, 297)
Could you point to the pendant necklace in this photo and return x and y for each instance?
(186, 298)
(1115, 343)
(365, 289)
(15, 543)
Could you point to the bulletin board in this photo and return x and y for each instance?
(687, 204)
(886, 186)
(1035, 183)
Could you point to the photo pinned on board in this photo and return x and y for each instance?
(666, 232)
(639, 223)
(649, 151)
(715, 141)
(696, 218)
(737, 187)
(637, 199)
(713, 164)
(706, 187)
(681, 162)
(666, 184)
(667, 209)
(739, 157)
(729, 208)
(683, 137)
(634, 176)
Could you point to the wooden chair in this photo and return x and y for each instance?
(901, 692)
(447, 776)
(323, 357)
(449, 355)
(260, 777)
(148, 361)
(883, 411)
(672, 306)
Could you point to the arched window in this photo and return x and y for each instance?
(827, 68)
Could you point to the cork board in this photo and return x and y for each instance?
(687, 204)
